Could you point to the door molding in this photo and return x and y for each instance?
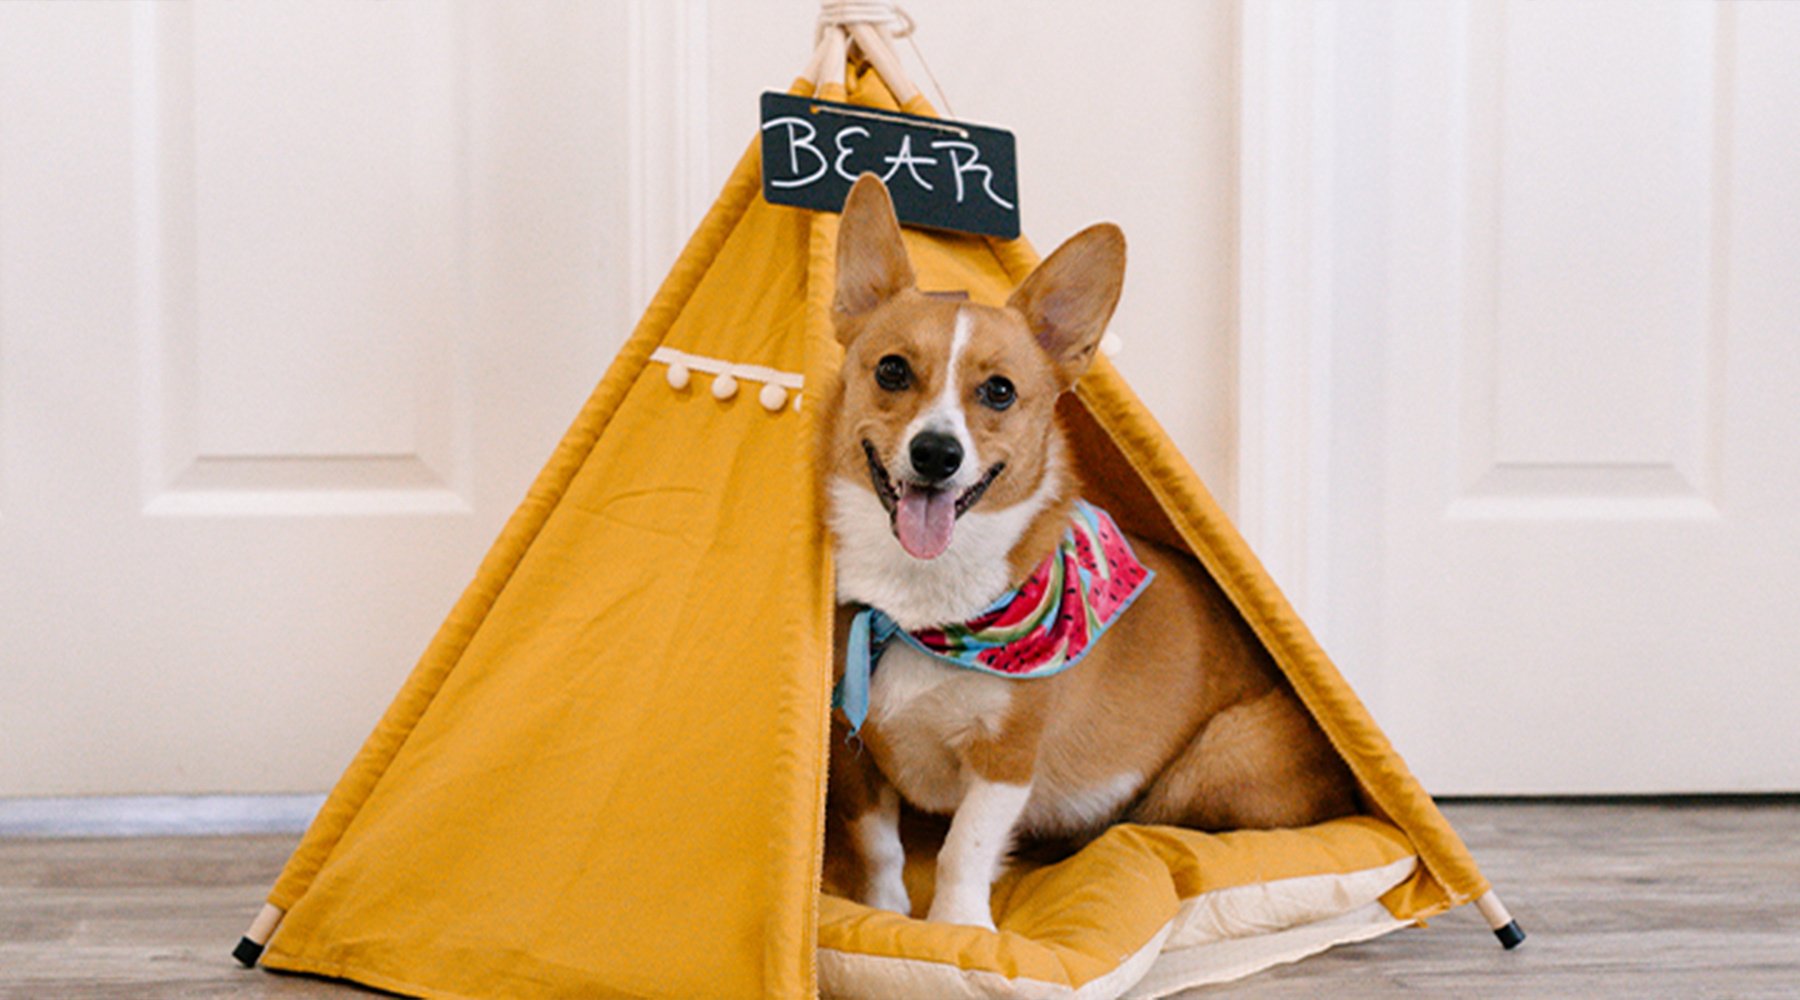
(666, 84)
(1285, 243)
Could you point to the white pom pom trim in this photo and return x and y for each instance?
(776, 384)
(1111, 345)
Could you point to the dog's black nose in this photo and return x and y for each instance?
(935, 456)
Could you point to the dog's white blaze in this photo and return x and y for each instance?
(877, 835)
(1073, 810)
(945, 414)
(980, 834)
(873, 569)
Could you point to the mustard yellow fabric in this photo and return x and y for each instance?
(605, 777)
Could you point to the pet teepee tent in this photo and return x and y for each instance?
(606, 776)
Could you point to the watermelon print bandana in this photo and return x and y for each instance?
(1042, 627)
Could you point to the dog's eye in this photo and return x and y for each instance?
(996, 393)
(893, 373)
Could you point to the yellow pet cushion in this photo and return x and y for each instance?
(1143, 911)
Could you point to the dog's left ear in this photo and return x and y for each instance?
(871, 257)
(1068, 300)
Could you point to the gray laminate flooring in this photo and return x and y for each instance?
(1620, 900)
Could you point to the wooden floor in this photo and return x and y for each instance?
(1619, 900)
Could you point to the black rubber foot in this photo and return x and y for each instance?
(1511, 936)
(248, 952)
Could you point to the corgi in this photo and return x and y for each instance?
(947, 486)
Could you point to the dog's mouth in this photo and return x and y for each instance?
(923, 517)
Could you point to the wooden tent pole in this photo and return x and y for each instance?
(833, 48)
(1499, 920)
(816, 64)
(874, 46)
(249, 950)
(865, 24)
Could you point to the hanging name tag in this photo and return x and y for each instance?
(942, 174)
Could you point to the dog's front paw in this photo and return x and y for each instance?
(959, 905)
(889, 895)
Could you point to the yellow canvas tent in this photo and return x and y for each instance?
(606, 776)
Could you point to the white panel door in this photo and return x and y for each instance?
(1555, 390)
(294, 300)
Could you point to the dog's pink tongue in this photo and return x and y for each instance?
(924, 521)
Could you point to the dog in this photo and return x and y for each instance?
(948, 486)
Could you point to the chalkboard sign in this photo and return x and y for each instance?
(942, 174)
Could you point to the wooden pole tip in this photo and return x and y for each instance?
(247, 952)
(1511, 936)
(1500, 921)
(250, 947)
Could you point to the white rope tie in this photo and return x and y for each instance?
(885, 16)
(880, 13)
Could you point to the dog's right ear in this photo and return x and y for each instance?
(871, 258)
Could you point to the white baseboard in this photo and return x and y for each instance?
(157, 815)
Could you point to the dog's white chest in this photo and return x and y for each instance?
(926, 710)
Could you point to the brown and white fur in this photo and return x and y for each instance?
(1175, 716)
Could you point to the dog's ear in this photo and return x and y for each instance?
(871, 258)
(1069, 298)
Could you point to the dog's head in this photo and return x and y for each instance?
(947, 406)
